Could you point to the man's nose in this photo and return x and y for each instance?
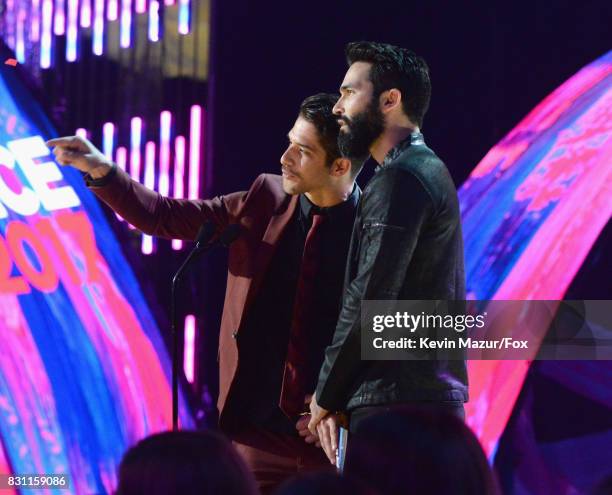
(284, 159)
(338, 108)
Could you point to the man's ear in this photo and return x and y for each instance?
(341, 166)
(390, 99)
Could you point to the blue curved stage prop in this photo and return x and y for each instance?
(532, 209)
(84, 372)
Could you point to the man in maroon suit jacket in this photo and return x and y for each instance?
(276, 217)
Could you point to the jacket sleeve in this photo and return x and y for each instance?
(160, 216)
(394, 212)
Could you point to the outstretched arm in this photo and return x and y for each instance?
(147, 210)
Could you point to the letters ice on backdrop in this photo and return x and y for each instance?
(39, 185)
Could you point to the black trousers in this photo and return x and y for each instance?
(452, 407)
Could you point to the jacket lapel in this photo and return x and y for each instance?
(267, 248)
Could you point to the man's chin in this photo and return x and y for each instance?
(291, 187)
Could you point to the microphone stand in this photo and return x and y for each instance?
(203, 244)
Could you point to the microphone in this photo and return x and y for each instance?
(205, 240)
(205, 234)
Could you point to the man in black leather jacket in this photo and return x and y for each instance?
(406, 242)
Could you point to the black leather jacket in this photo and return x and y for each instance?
(406, 244)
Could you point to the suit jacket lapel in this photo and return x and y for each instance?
(267, 248)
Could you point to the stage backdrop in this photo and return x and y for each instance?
(531, 211)
(83, 370)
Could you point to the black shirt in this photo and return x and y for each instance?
(268, 322)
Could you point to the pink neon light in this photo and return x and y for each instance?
(154, 21)
(141, 6)
(136, 140)
(146, 244)
(121, 159)
(189, 354)
(168, 2)
(126, 23)
(108, 136)
(149, 181)
(59, 25)
(183, 16)
(45, 42)
(179, 173)
(72, 32)
(164, 152)
(86, 13)
(98, 27)
(20, 43)
(149, 176)
(195, 141)
(35, 21)
(81, 132)
(112, 12)
(8, 12)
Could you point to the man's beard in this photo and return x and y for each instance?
(363, 129)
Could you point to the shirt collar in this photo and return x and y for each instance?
(413, 139)
(348, 206)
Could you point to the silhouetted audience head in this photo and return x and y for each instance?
(604, 487)
(324, 483)
(185, 463)
(411, 451)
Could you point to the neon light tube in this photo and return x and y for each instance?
(154, 21)
(98, 28)
(112, 12)
(126, 23)
(183, 16)
(8, 14)
(45, 42)
(149, 181)
(121, 159)
(108, 137)
(189, 349)
(20, 43)
(59, 25)
(165, 123)
(179, 172)
(72, 31)
(195, 141)
(141, 6)
(136, 140)
(35, 21)
(86, 13)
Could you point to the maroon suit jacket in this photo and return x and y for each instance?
(262, 212)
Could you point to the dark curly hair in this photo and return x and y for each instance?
(317, 110)
(395, 67)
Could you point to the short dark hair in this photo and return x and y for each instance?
(431, 451)
(395, 67)
(318, 110)
(185, 462)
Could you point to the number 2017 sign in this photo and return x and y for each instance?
(29, 183)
